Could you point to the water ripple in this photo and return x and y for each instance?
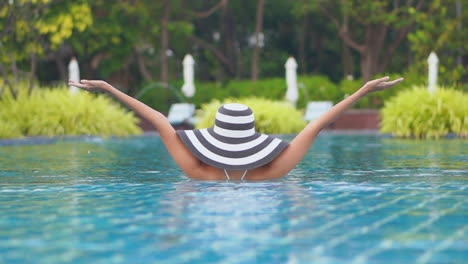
(354, 199)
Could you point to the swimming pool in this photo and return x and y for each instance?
(354, 199)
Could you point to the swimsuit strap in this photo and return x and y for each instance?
(243, 175)
(227, 175)
(242, 178)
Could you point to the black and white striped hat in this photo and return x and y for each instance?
(232, 143)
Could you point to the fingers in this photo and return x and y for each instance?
(86, 81)
(381, 82)
(391, 83)
(77, 84)
(383, 79)
(394, 82)
(377, 81)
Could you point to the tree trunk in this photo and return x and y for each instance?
(370, 63)
(368, 66)
(459, 29)
(219, 54)
(14, 69)
(228, 29)
(258, 30)
(165, 42)
(302, 44)
(147, 76)
(375, 36)
(226, 51)
(32, 73)
(6, 82)
(348, 64)
(60, 66)
(370, 50)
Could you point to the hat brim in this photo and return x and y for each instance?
(232, 153)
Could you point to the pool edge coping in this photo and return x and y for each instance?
(44, 140)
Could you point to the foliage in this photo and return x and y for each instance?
(30, 30)
(420, 114)
(440, 30)
(40, 24)
(122, 41)
(271, 117)
(126, 35)
(348, 87)
(54, 112)
(311, 88)
(317, 88)
(377, 100)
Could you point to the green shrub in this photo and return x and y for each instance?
(317, 88)
(311, 88)
(159, 97)
(377, 100)
(273, 88)
(418, 113)
(271, 117)
(52, 112)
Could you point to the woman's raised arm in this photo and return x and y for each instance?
(298, 148)
(183, 157)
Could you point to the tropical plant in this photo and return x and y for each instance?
(440, 30)
(32, 29)
(317, 88)
(54, 112)
(271, 117)
(311, 88)
(421, 114)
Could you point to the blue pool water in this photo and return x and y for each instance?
(354, 199)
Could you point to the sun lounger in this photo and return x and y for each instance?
(316, 109)
(182, 114)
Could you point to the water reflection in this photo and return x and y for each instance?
(79, 161)
(232, 216)
(126, 199)
(451, 153)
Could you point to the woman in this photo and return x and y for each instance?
(232, 149)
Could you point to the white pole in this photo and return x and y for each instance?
(189, 86)
(291, 80)
(433, 62)
(73, 74)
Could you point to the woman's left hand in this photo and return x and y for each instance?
(380, 84)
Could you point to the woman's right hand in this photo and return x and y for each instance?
(92, 85)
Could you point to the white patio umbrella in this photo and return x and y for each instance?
(73, 74)
(433, 63)
(292, 93)
(189, 86)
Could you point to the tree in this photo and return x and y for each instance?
(31, 28)
(165, 41)
(258, 31)
(439, 30)
(129, 40)
(224, 36)
(375, 29)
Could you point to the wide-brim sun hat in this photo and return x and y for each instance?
(232, 143)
